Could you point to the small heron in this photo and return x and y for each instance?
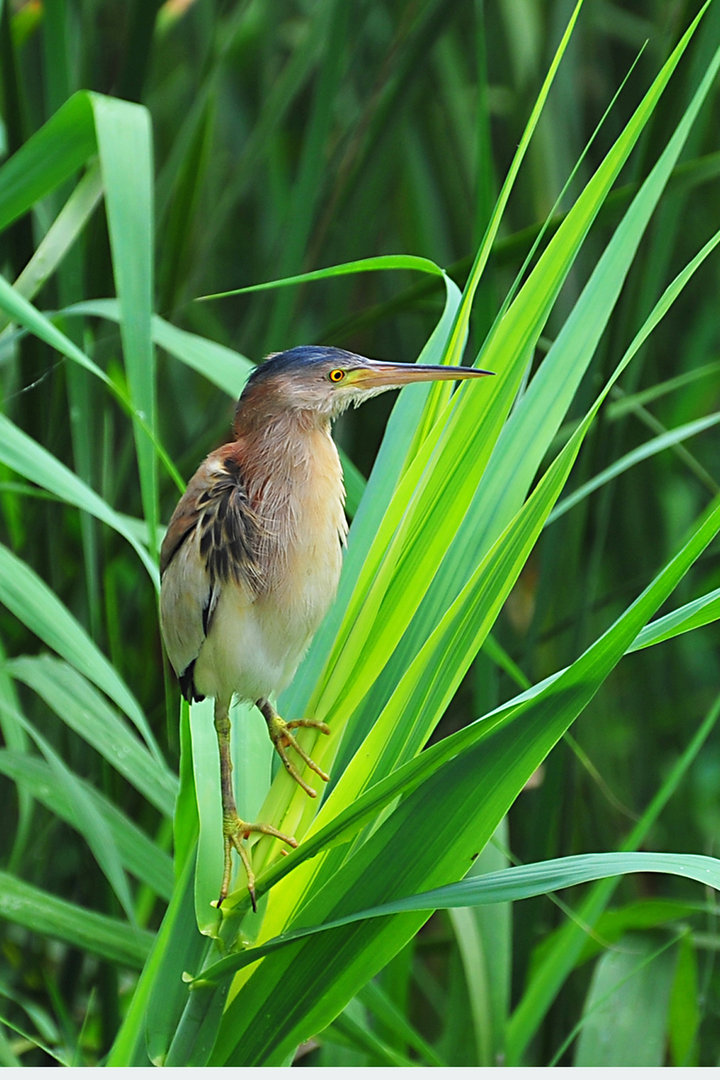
(251, 559)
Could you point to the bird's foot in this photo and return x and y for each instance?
(280, 733)
(235, 830)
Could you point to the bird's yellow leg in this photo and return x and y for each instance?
(279, 731)
(235, 830)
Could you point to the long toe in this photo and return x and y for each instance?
(283, 739)
(235, 831)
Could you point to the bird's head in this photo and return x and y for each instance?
(326, 381)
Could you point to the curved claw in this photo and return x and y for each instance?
(279, 731)
(235, 830)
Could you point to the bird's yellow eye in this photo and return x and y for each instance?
(336, 375)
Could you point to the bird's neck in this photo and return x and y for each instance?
(281, 451)
(294, 484)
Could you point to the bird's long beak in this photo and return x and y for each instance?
(379, 373)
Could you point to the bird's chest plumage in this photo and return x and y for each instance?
(306, 528)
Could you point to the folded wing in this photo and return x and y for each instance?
(213, 540)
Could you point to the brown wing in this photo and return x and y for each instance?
(213, 539)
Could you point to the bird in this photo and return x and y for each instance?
(252, 555)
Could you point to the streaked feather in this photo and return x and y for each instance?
(213, 538)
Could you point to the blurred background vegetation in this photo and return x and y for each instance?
(297, 135)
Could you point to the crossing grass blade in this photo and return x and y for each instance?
(140, 856)
(94, 828)
(87, 713)
(99, 935)
(444, 475)
(503, 886)
(437, 663)
(29, 459)
(696, 613)
(31, 601)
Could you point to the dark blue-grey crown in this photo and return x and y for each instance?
(298, 359)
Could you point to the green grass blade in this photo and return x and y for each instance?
(377, 262)
(140, 856)
(395, 451)
(555, 967)
(504, 886)
(60, 236)
(160, 994)
(28, 458)
(31, 601)
(690, 616)
(464, 626)
(88, 714)
(381, 596)
(457, 337)
(633, 980)
(125, 150)
(48, 158)
(526, 437)
(634, 457)
(92, 826)
(95, 934)
(22, 311)
(385, 1010)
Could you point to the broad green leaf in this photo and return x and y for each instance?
(49, 157)
(632, 981)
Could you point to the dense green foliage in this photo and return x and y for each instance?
(534, 552)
